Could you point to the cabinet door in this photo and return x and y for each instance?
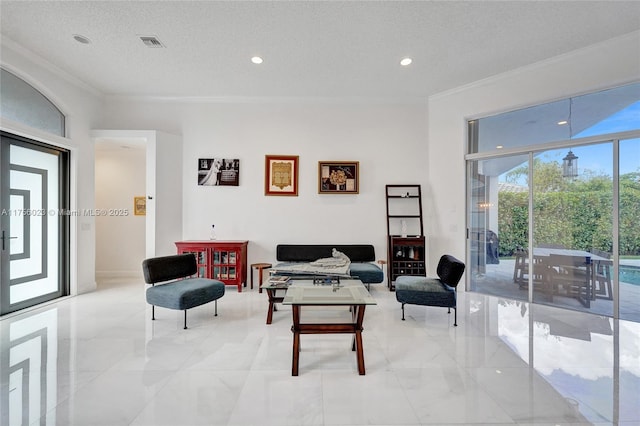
(225, 263)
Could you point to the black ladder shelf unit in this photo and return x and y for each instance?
(406, 251)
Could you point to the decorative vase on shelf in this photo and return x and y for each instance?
(410, 252)
(212, 235)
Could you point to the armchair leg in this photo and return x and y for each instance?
(403, 312)
(185, 319)
(455, 317)
(153, 312)
(216, 307)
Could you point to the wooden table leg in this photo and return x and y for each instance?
(273, 299)
(296, 340)
(354, 310)
(271, 295)
(358, 339)
(359, 353)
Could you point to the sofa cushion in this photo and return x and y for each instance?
(368, 273)
(185, 294)
(424, 291)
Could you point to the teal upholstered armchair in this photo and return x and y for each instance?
(173, 287)
(426, 291)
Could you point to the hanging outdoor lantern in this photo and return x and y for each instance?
(570, 165)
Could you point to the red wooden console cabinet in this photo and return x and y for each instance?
(221, 260)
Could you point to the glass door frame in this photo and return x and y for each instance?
(63, 287)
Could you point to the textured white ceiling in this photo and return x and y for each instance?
(310, 48)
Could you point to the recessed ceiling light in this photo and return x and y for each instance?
(256, 60)
(499, 146)
(562, 123)
(406, 61)
(81, 39)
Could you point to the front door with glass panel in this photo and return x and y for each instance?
(34, 229)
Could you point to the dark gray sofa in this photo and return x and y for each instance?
(361, 256)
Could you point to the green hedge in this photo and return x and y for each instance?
(576, 218)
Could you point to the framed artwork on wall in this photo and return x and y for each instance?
(140, 206)
(219, 172)
(281, 175)
(338, 177)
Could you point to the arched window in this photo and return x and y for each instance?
(22, 103)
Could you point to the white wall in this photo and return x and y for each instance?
(388, 139)
(597, 67)
(120, 239)
(81, 106)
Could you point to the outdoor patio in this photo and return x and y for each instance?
(498, 281)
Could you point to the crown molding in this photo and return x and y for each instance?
(268, 99)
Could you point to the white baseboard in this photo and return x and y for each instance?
(101, 275)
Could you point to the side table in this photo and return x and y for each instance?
(260, 267)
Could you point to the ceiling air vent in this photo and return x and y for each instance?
(151, 41)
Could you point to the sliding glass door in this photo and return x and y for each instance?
(537, 233)
(34, 187)
(499, 224)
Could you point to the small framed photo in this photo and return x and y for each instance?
(281, 175)
(218, 171)
(338, 177)
(140, 206)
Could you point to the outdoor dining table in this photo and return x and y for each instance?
(554, 259)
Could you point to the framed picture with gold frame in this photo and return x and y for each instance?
(140, 206)
(281, 175)
(338, 177)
